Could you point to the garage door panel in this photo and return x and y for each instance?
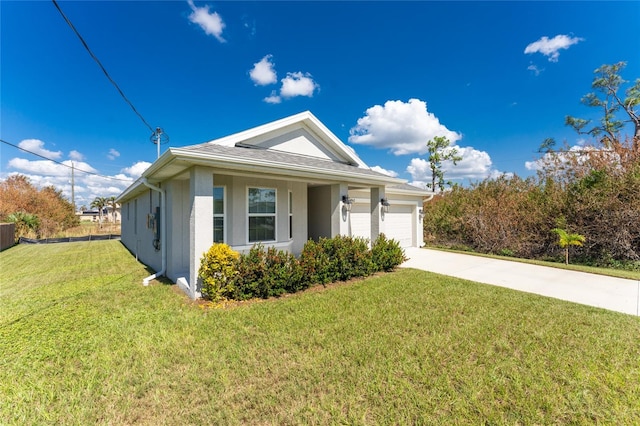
(360, 221)
(399, 224)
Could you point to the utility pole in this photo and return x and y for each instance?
(158, 137)
(73, 187)
(158, 133)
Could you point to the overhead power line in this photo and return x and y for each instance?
(65, 165)
(95, 58)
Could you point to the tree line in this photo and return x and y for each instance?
(42, 213)
(37, 213)
(589, 193)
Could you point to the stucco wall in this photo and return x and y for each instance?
(300, 141)
(319, 212)
(136, 236)
(237, 210)
(178, 229)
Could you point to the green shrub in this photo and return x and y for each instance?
(506, 252)
(315, 263)
(217, 272)
(282, 273)
(352, 257)
(263, 273)
(250, 274)
(336, 259)
(267, 273)
(387, 254)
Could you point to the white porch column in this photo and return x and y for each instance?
(339, 216)
(377, 217)
(200, 222)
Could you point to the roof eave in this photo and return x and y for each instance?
(417, 191)
(272, 166)
(157, 165)
(191, 157)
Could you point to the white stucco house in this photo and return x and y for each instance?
(278, 184)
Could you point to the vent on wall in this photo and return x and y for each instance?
(246, 145)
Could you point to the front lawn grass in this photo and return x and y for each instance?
(83, 342)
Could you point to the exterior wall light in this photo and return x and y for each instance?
(421, 214)
(347, 202)
(385, 205)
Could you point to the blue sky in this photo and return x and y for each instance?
(496, 77)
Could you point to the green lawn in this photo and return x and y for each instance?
(83, 342)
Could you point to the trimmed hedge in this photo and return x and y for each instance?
(266, 273)
(387, 254)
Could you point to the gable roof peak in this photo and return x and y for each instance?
(303, 119)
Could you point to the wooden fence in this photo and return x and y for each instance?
(7, 235)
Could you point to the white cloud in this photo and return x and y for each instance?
(534, 165)
(294, 84)
(475, 165)
(88, 182)
(211, 23)
(113, 154)
(564, 157)
(384, 171)
(273, 98)
(87, 186)
(495, 174)
(551, 47)
(37, 147)
(76, 156)
(80, 166)
(419, 170)
(298, 84)
(534, 69)
(48, 168)
(136, 169)
(403, 128)
(263, 72)
(39, 167)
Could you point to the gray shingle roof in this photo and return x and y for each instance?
(407, 187)
(278, 157)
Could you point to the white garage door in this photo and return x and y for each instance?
(360, 221)
(398, 224)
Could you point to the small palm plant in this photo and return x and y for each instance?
(99, 203)
(27, 224)
(566, 239)
(111, 202)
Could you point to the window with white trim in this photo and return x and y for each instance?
(218, 214)
(290, 215)
(262, 214)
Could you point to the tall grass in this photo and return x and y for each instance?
(90, 228)
(83, 342)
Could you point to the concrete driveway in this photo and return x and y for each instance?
(615, 294)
